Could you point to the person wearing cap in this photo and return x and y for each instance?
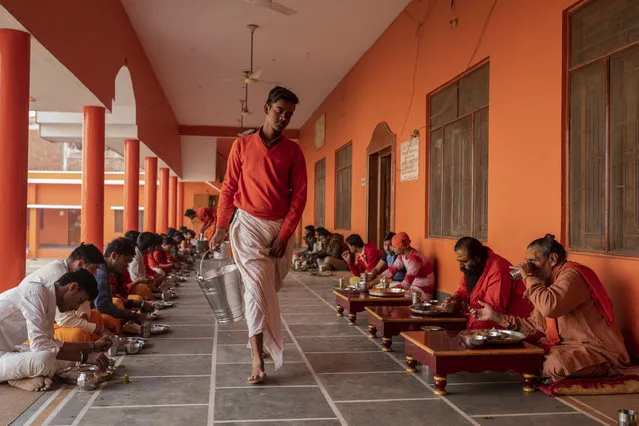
(420, 275)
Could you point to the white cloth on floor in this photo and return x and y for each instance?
(18, 365)
(262, 275)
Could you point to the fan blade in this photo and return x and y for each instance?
(277, 7)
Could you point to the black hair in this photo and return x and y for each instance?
(389, 236)
(189, 213)
(355, 240)
(473, 247)
(548, 245)
(159, 239)
(178, 237)
(309, 228)
(323, 232)
(168, 240)
(90, 254)
(183, 229)
(171, 232)
(132, 235)
(320, 229)
(121, 247)
(85, 279)
(145, 241)
(189, 232)
(278, 93)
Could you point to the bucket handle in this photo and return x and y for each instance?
(201, 262)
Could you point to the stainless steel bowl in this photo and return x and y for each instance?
(131, 348)
(474, 340)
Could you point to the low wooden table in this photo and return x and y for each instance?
(389, 321)
(444, 353)
(356, 302)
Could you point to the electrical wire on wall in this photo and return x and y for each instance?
(481, 35)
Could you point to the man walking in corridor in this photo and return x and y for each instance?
(266, 181)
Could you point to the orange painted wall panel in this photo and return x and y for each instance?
(524, 43)
(54, 227)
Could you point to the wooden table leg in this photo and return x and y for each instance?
(372, 332)
(387, 342)
(412, 363)
(440, 385)
(530, 380)
(340, 311)
(352, 318)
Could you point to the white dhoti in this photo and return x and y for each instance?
(262, 275)
(19, 365)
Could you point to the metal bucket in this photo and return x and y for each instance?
(221, 283)
(201, 245)
(223, 253)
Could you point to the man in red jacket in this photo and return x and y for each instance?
(266, 181)
(361, 257)
(486, 278)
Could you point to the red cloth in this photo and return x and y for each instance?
(400, 240)
(367, 260)
(208, 216)
(496, 288)
(266, 183)
(148, 258)
(118, 285)
(551, 388)
(598, 294)
(158, 258)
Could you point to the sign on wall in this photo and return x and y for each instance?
(409, 160)
(320, 131)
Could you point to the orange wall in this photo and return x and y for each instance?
(94, 40)
(523, 41)
(54, 228)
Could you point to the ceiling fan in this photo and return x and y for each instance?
(270, 4)
(251, 76)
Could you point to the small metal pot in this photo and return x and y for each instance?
(166, 296)
(627, 417)
(88, 377)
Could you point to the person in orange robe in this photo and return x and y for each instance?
(574, 311)
(208, 217)
(486, 277)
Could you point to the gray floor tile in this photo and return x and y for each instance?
(183, 346)
(299, 300)
(609, 404)
(352, 362)
(191, 415)
(238, 325)
(160, 365)
(270, 403)
(182, 319)
(538, 420)
(325, 330)
(485, 377)
(406, 413)
(289, 374)
(159, 391)
(184, 332)
(70, 411)
(308, 308)
(289, 423)
(236, 337)
(502, 399)
(343, 343)
(241, 354)
(319, 319)
(363, 386)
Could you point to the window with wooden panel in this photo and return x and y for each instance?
(343, 187)
(603, 127)
(320, 192)
(118, 221)
(458, 156)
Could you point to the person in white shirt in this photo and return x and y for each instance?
(141, 283)
(74, 326)
(27, 312)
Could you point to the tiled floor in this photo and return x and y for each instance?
(333, 375)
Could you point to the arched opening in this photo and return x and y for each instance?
(381, 183)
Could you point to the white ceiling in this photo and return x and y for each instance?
(196, 46)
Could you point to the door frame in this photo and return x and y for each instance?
(381, 139)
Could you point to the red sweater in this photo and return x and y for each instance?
(366, 261)
(266, 183)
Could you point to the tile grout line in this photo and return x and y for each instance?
(328, 398)
(57, 409)
(362, 372)
(211, 404)
(44, 406)
(309, 419)
(421, 380)
(561, 413)
(107, 407)
(586, 405)
(577, 407)
(270, 386)
(355, 401)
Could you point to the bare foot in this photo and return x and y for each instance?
(257, 373)
(32, 384)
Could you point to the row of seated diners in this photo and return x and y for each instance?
(560, 305)
(66, 315)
